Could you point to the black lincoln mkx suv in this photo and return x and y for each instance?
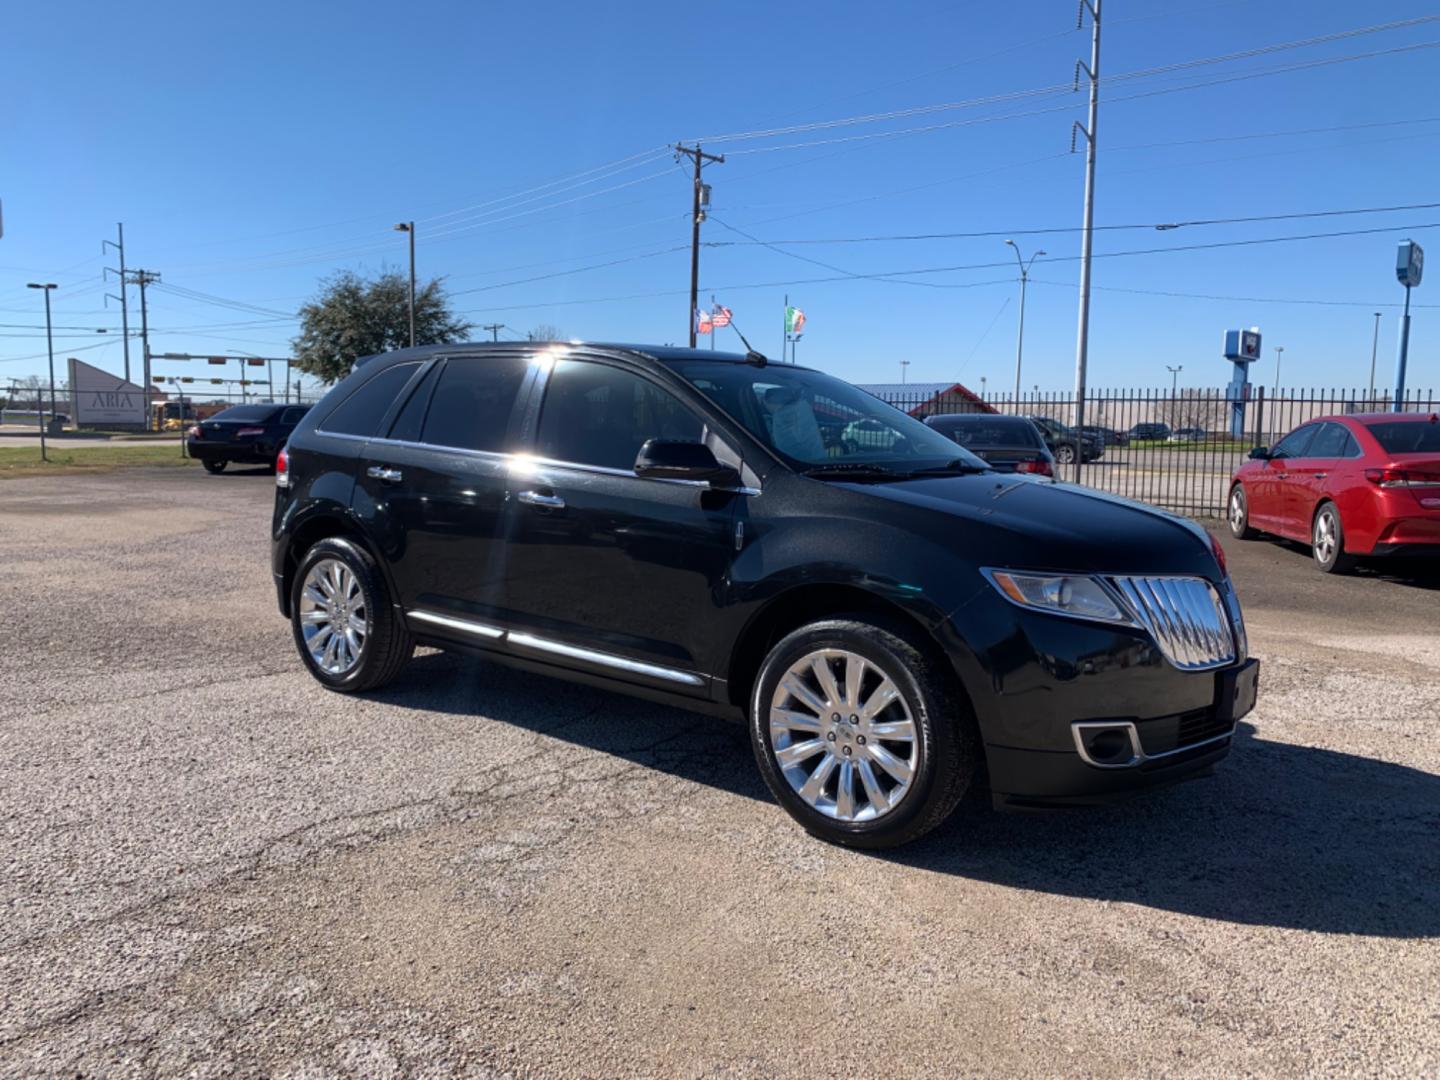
(696, 528)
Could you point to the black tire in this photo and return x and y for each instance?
(946, 736)
(388, 643)
(214, 466)
(1238, 514)
(1065, 454)
(1336, 561)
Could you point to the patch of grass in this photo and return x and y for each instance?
(67, 459)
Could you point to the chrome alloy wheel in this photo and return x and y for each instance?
(334, 617)
(1237, 510)
(1325, 538)
(842, 735)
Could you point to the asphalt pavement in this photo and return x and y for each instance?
(214, 867)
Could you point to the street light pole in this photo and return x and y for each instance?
(1020, 334)
(1279, 354)
(1174, 378)
(49, 340)
(409, 227)
(1374, 347)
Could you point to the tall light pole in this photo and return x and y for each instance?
(904, 365)
(1279, 355)
(1174, 378)
(1020, 334)
(1374, 347)
(409, 227)
(49, 340)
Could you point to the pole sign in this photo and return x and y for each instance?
(1242, 346)
(103, 400)
(1410, 264)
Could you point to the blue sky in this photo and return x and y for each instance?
(252, 149)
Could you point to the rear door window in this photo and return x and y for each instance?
(471, 406)
(1329, 442)
(362, 411)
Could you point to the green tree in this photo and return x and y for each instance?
(354, 317)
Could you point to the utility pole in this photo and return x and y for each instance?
(1082, 337)
(1374, 348)
(1020, 336)
(409, 227)
(124, 307)
(700, 200)
(143, 278)
(494, 329)
(1174, 379)
(49, 341)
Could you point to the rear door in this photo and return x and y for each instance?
(432, 488)
(622, 568)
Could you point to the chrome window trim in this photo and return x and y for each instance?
(1138, 756)
(509, 458)
(481, 629)
(530, 641)
(558, 648)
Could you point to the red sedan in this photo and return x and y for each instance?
(1349, 486)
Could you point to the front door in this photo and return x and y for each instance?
(605, 562)
(1269, 495)
(1308, 475)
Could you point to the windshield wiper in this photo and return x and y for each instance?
(959, 466)
(853, 469)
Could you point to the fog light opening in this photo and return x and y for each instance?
(1110, 746)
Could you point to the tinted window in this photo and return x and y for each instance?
(250, 414)
(362, 411)
(599, 415)
(410, 421)
(471, 405)
(1296, 443)
(293, 415)
(987, 431)
(1407, 436)
(1330, 442)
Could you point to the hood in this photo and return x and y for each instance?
(1015, 522)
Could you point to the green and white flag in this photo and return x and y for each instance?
(794, 320)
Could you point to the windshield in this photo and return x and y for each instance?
(810, 419)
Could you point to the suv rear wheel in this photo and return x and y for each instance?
(344, 625)
(862, 736)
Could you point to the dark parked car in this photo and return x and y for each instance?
(1066, 443)
(672, 523)
(248, 434)
(1006, 443)
(1189, 434)
(1150, 432)
(1107, 436)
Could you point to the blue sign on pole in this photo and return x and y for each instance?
(1409, 267)
(1242, 348)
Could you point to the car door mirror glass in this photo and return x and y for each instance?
(673, 459)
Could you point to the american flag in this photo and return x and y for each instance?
(721, 317)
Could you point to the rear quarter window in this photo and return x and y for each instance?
(362, 411)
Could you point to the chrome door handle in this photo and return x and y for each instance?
(534, 498)
(384, 474)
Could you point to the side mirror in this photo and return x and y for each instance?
(1260, 453)
(666, 459)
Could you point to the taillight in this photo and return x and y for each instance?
(250, 431)
(1041, 468)
(1401, 478)
(1219, 555)
(195, 432)
(282, 468)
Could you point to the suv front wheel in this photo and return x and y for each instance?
(860, 733)
(348, 634)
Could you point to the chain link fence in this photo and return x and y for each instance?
(1173, 449)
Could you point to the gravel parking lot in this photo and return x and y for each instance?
(211, 866)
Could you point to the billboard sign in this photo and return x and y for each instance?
(101, 399)
(1242, 346)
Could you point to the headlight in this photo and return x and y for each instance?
(1075, 595)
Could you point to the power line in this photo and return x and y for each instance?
(1234, 299)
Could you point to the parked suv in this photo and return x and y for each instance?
(696, 528)
(1065, 443)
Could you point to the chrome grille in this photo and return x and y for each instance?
(1185, 616)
